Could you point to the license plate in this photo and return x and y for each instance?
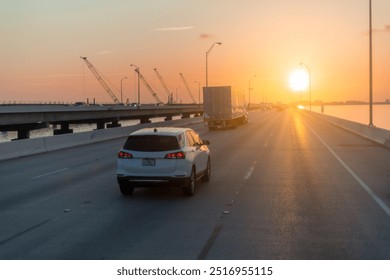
(148, 162)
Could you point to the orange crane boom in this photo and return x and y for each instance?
(148, 87)
(100, 79)
(188, 88)
(165, 86)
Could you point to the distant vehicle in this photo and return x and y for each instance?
(80, 104)
(280, 108)
(163, 155)
(223, 107)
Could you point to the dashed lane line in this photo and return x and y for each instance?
(23, 232)
(50, 173)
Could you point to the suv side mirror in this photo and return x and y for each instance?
(206, 142)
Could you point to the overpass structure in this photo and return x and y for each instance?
(23, 119)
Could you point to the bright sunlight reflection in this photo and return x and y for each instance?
(299, 80)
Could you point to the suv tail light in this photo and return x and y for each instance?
(124, 155)
(177, 155)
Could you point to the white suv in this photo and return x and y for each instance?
(170, 155)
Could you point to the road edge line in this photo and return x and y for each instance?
(373, 195)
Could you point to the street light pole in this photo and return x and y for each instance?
(249, 90)
(121, 88)
(370, 54)
(207, 55)
(139, 92)
(309, 71)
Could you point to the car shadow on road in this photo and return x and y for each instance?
(163, 193)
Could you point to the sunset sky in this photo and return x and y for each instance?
(42, 41)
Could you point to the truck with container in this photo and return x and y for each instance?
(224, 107)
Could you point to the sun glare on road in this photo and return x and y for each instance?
(299, 80)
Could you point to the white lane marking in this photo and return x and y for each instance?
(354, 175)
(50, 173)
(252, 168)
(249, 173)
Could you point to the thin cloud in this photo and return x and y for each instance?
(177, 28)
(385, 29)
(63, 75)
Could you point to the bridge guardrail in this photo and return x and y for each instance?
(378, 135)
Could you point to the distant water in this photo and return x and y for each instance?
(358, 113)
(8, 136)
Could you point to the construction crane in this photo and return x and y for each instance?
(100, 79)
(188, 88)
(148, 86)
(165, 86)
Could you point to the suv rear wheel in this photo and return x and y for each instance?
(189, 190)
(206, 176)
(125, 187)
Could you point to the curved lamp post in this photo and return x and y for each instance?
(249, 90)
(123, 78)
(139, 95)
(207, 55)
(371, 123)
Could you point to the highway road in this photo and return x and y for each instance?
(284, 186)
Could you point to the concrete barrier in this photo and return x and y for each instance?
(378, 135)
(21, 148)
(28, 147)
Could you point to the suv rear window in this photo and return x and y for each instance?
(151, 143)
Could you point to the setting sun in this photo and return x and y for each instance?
(299, 80)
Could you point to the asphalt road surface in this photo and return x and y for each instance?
(284, 186)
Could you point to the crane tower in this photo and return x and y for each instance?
(100, 79)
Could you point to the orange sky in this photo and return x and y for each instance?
(42, 41)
